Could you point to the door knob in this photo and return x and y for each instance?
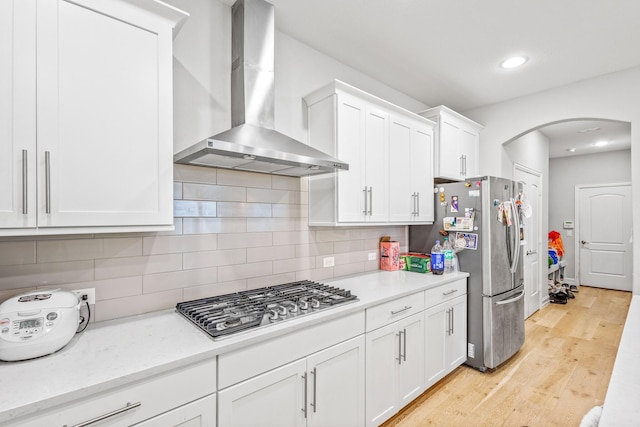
(584, 242)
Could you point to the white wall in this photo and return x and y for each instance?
(614, 96)
(567, 172)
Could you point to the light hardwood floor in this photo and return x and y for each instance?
(560, 373)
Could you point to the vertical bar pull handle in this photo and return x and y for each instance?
(25, 187)
(404, 351)
(399, 335)
(304, 410)
(315, 389)
(364, 192)
(418, 204)
(47, 173)
(370, 201)
(452, 321)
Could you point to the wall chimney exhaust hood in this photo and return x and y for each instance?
(252, 144)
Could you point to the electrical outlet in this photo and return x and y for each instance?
(328, 261)
(89, 292)
(373, 256)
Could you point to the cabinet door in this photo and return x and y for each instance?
(351, 149)
(422, 173)
(104, 78)
(449, 148)
(336, 385)
(382, 354)
(402, 198)
(469, 140)
(201, 413)
(436, 330)
(376, 165)
(411, 367)
(275, 398)
(457, 340)
(18, 114)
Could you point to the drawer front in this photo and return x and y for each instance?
(133, 402)
(445, 292)
(390, 311)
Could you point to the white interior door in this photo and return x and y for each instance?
(604, 236)
(532, 251)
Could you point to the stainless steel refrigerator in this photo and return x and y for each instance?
(482, 215)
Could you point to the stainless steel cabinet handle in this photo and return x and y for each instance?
(399, 358)
(315, 389)
(584, 242)
(404, 351)
(452, 331)
(448, 330)
(406, 307)
(461, 165)
(370, 201)
(464, 164)
(47, 172)
(417, 204)
(364, 192)
(129, 407)
(25, 188)
(304, 409)
(413, 204)
(452, 291)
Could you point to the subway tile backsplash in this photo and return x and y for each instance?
(234, 231)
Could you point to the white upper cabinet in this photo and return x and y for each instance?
(410, 184)
(98, 95)
(390, 155)
(457, 144)
(17, 113)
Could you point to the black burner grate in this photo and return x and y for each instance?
(223, 315)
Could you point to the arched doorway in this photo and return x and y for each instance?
(545, 148)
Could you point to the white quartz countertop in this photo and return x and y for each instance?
(621, 406)
(114, 353)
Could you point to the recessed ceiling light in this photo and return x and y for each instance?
(571, 150)
(589, 130)
(516, 61)
(601, 143)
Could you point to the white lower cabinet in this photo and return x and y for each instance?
(182, 397)
(323, 389)
(445, 335)
(395, 367)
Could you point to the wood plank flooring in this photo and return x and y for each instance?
(560, 373)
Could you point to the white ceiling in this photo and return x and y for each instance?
(448, 51)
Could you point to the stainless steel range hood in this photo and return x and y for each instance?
(252, 144)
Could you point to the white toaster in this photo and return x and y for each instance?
(37, 323)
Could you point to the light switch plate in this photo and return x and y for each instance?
(328, 261)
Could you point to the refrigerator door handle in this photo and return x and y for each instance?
(510, 300)
(516, 236)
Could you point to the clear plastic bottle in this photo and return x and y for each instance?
(437, 259)
(447, 250)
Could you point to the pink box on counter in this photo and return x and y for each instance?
(389, 254)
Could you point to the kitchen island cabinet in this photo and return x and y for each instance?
(445, 330)
(91, 115)
(457, 144)
(389, 152)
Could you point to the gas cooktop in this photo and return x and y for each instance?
(223, 315)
